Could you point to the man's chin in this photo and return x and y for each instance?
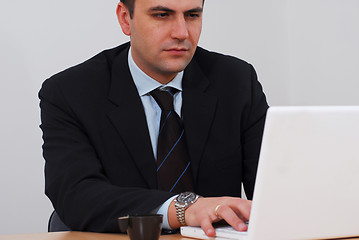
(176, 66)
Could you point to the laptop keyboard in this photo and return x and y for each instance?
(222, 232)
(230, 232)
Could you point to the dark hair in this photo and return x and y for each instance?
(130, 4)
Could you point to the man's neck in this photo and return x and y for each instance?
(163, 78)
(145, 83)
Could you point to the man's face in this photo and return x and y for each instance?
(164, 35)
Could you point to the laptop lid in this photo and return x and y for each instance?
(307, 184)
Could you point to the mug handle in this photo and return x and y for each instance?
(123, 223)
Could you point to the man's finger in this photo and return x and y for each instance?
(242, 208)
(207, 227)
(231, 218)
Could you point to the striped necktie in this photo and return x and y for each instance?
(173, 163)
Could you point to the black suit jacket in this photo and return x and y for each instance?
(99, 158)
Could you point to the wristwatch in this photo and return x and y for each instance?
(182, 202)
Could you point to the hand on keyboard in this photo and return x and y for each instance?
(235, 211)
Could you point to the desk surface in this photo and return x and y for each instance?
(80, 236)
(85, 236)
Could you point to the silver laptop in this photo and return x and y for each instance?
(307, 184)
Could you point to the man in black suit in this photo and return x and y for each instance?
(100, 125)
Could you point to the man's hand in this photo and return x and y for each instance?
(205, 211)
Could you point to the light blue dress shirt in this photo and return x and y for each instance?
(145, 84)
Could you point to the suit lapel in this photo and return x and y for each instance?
(198, 113)
(130, 121)
(129, 118)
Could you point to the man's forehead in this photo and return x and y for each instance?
(176, 5)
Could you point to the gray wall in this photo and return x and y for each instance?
(305, 52)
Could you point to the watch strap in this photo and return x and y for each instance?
(180, 215)
(181, 208)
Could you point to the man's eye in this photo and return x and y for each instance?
(193, 15)
(160, 15)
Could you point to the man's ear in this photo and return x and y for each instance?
(123, 16)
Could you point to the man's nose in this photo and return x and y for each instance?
(180, 30)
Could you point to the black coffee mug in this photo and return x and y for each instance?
(141, 227)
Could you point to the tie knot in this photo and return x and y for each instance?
(164, 98)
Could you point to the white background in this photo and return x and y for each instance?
(305, 52)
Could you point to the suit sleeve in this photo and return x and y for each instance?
(252, 133)
(75, 181)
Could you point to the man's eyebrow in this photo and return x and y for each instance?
(195, 10)
(166, 9)
(160, 8)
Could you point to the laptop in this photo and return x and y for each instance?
(307, 184)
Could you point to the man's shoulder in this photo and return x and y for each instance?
(98, 66)
(217, 66)
(88, 79)
(207, 58)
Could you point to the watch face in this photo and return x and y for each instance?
(186, 197)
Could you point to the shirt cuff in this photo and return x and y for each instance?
(164, 211)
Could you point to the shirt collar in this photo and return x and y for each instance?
(145, 83)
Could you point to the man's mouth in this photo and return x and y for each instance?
(176, 50)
